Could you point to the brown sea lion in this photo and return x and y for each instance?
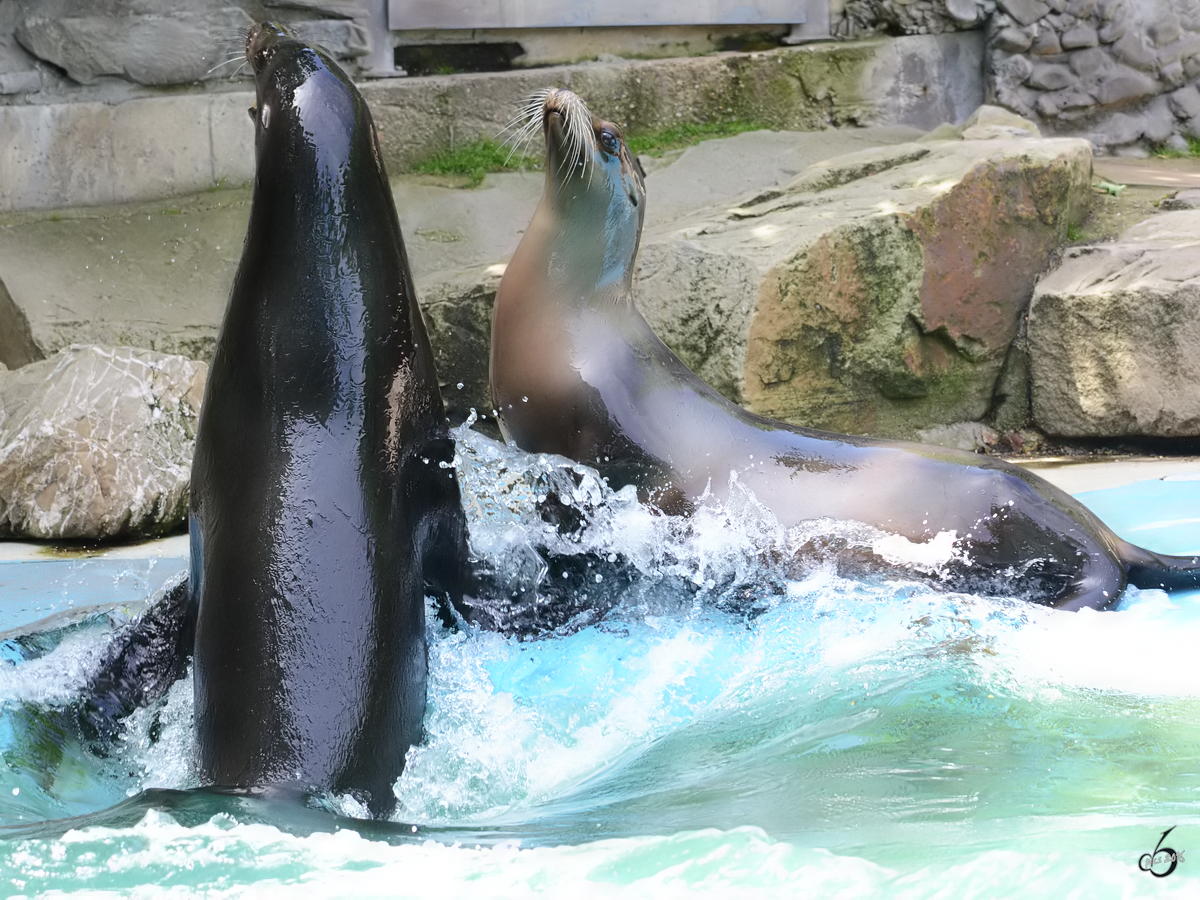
(577, 371)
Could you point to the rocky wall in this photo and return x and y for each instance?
(1122, 73)
(860, 17)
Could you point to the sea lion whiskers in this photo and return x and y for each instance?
(234, 41)
(579, 123)
(239, 58)
(526, 124)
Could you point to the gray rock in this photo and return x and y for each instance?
(1121, 128)
(1181, 49)
(1158, 122)
(1177, 142)
(974, 437)
(1086, 63)
(841, 317)
(1164, 29)
(1132, 49)
(147, 49)
(1081, 9)
(1113, 31)
(96, 443)
(1172, 74)
(1080, 36)
(1057, 21)
(1012, 40)
(20, 82)
(1115, 338)
(1046, 43)
(457, 309)
(1185, 199)
(1011, 69)
(1051, 77)
(1124, 85)
(343, 39)
(1019, 99)
(1185, 102)
(964, 11)
(1057, 103)
(1024, 11)
(995, 116)
(944, 132)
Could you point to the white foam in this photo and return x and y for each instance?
(928, 556)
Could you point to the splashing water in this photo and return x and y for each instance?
(732, 726)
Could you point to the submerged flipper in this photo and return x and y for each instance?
(140, 665)
(572, 592)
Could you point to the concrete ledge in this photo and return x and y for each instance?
(86, 154)
(921, 80)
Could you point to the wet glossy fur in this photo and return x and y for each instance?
(323, 492)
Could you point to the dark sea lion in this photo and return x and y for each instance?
(577, 371)
(323, 488)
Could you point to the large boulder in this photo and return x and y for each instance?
(172, 48)
(879, 291)
(1114, 335)
(97, 443)
(171, 42)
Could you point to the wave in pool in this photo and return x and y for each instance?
(739, 727)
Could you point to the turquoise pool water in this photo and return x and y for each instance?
(810, 736)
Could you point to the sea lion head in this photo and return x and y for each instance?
(305, 103)
(594, 185)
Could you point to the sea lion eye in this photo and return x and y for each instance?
(609, 141)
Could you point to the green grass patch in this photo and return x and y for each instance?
(1165, 152)
(685, 134)
(473, 161)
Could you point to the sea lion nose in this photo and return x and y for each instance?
(257, 39)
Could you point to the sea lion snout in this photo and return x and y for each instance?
(260, 41)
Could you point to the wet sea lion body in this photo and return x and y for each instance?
(576, 370)
(323, 487)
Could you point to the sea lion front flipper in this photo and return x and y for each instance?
(1098, 585)
(141, 664)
